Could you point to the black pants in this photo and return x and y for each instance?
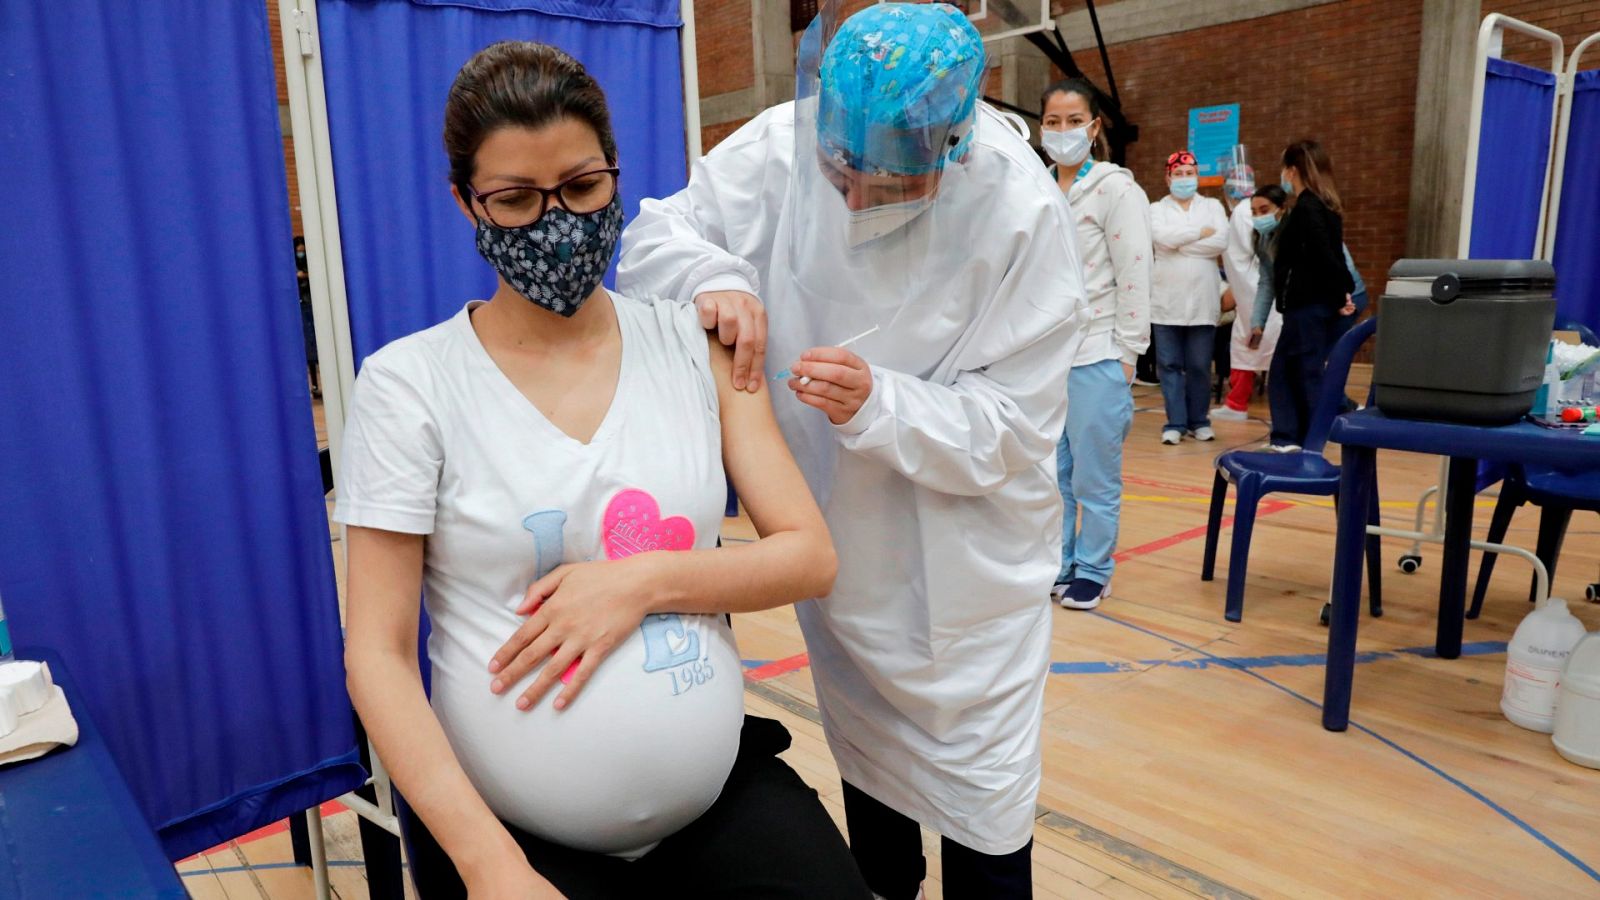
(888, 847)
(1295, 378)
(767, 836)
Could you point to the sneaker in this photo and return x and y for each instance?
(1204, 433)
(1081, 593)
(1142, 381)
(1283, 448)
(1171, 436)
(1229, 414)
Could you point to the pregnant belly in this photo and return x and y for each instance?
(642, 752)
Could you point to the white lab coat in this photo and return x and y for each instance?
(1186, 285)
(1243, 271)
(931, 653)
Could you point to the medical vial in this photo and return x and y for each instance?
(5, 636)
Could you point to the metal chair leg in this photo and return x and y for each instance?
(1504, 509)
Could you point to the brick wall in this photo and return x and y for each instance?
(1344, 74)
(725, 53)
(724, 46)
(283, 104)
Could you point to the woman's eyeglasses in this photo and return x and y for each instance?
(518, 207)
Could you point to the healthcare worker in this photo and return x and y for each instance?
(888, 197)
(1112, 218)
(1243, 270)
(1189, 233)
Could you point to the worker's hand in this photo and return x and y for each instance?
(1206, 232)
(833, 380)
(1127, 373)
(1228, 303)
(577, 615)
(1255, 338)
(1349, 308)
(741, 323)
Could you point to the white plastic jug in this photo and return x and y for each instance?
(1538, 650)
(1577, 735)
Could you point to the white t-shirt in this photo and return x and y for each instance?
(439, 442)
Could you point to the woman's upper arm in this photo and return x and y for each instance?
(757, 458)
(385, 588)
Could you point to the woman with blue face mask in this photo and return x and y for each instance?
(550, 464)
(1311, 286)
(1189, 233)
(1112, 215)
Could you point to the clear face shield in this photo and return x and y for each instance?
(886, 112)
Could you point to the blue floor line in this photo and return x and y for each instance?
(1097, 667)
(1509, 816)
(332, 864)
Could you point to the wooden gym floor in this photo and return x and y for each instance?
(1184, 755)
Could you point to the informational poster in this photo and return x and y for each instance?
(1213, 130)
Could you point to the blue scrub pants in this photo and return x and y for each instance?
(1183, 353)
(1089, 468)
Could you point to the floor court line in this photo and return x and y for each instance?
(1470, 791)
(1146, 861)
(761, 670)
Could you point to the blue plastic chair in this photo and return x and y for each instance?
(1256, 474)
(1557, 494)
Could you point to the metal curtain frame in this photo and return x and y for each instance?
(319, 217)
(1566, 89)
(1490, 39)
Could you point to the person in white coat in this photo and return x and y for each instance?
(1189, 232)
(1243, 270)
(888, 200)
(1112, 219)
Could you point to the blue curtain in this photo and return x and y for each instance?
(1577, 256)
(161, 514)
(1513, 153)
(409, 259)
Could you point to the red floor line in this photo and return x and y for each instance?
(1182, 488)
(1267, 508)
(779, 667)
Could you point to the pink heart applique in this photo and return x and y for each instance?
(633, 524)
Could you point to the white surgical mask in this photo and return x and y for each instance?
(866, 225)
(1069, 148)
(1185, 187)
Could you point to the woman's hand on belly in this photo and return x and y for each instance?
(576, 615)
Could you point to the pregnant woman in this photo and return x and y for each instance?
(560, 449)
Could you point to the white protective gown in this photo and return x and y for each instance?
(1243, 271)
(930, 655)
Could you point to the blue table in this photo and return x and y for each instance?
(1361, 435)
(69, 826)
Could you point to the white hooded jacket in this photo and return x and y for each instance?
(1112, 216)
(930, 655)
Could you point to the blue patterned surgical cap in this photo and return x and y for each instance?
(900, 84)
